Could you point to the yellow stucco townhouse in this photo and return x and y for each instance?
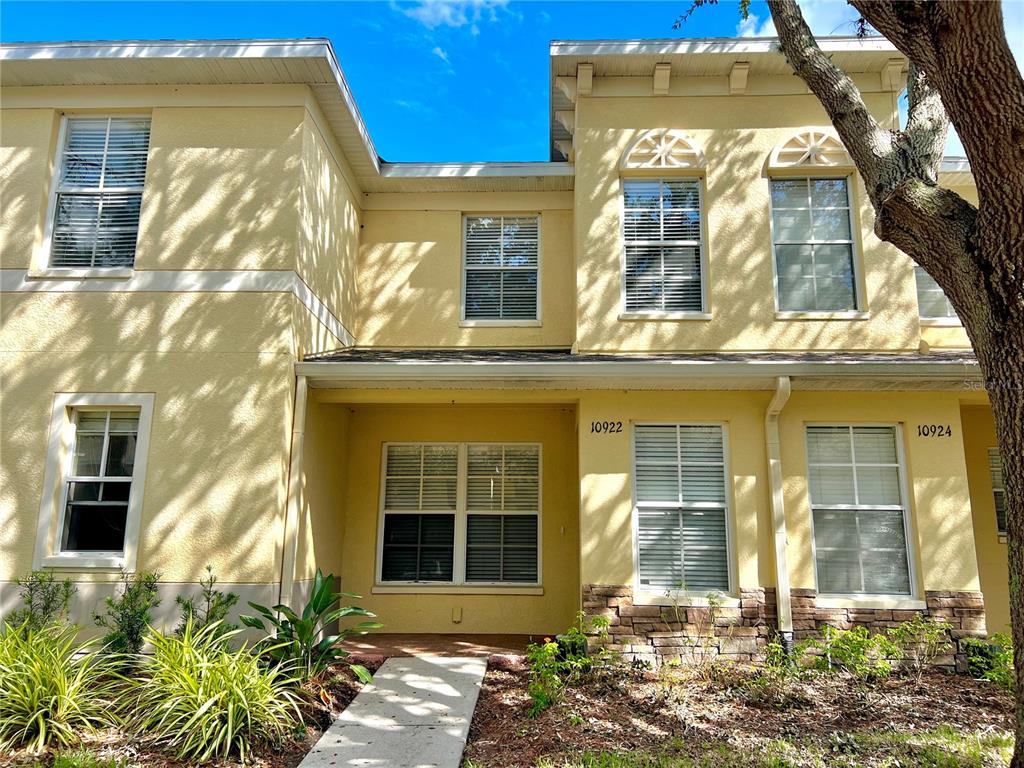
(672, 362)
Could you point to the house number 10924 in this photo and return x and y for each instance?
(605, 427)
(934, 430)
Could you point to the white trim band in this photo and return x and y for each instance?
(179, 281)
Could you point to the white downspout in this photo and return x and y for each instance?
(771, 444)
(293, 506)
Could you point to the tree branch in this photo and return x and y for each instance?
(927, 124)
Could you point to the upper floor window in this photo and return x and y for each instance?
(662, 232)
(681, 507)
(98, 194)
(858, 510)
(995, 470)
(502, 257)
(931, 300)
(813, 243)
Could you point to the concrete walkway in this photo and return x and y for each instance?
(415, 714)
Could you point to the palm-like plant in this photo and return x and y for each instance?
(301, 638)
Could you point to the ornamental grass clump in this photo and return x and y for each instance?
(202, 700)
(53, 691)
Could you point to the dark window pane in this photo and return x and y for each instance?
(94, 527)
(418, 548)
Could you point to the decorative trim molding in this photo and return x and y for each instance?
(181, 281)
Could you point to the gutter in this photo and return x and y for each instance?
(772, 449)
(290, 539)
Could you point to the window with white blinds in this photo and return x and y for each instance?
(995, 471)
(99, 483)
(813, 242)
(502, 257)
(681, 508)
(859, 513)
(99, 192)
(662, 233)
(931, 300)
(461, 513)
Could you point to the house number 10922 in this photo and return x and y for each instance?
(605, 427)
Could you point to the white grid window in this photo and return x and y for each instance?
(98, 487)
(813, 242)
(995, 471)
(99, 192)
(859, 513)
(501, 267)
(931, 300)
(461, 514)
(662, 233)
(681, 508)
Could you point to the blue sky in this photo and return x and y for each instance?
(435, 80)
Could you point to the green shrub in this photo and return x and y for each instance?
(921, 641)
(51, 692)
(82, 758)
(301, 639)
(991, 659)
(45, 601)
(555, 664)
(129, 613)
(855, 651)
(211, 607)
(202, 700)
(777, 684)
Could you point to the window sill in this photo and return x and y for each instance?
(848, 315)
(98, 562)
(877, 602)
(96, 273)
(500, 323)
(455, 589)
(683, 599)
(941, 322)
(1003, 539)
(670, 316)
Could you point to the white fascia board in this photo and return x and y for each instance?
(200, 49)
(952, 164)
(745, 45)
(471, 170)
(659, 369)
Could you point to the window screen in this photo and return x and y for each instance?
(931, 301)
(501, 266)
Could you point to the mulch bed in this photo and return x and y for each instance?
(632, 710)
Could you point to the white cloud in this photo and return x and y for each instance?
(452, 13)
(825, 17)
(441, 53)
(752, 26)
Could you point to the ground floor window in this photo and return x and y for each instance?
(858, 510)
(460, 513)
(681, 508)
(995, 469)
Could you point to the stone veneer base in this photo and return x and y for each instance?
(660, 633)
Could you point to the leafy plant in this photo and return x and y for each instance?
(300, 638)
(45, 601)
(83, 758)
(52, 691)
(555, 664)
(203, 700)
(546, 675)
(701, 643)
(855, 651)
(991, 659)
(777, 684)
(129, 613)
(921, 641)
(210, 607)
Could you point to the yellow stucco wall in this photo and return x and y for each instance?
(979, 436)
(410, 271)
(936, 478)
(737, 135)
(489, 610)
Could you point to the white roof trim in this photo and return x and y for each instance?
(953, 164)
(469, 170)
(709, 45)
(201, 49)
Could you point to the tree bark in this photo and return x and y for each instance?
(961, 70)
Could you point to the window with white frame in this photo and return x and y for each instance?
(461, 513)
(98, 195)
(501, 263)
(995, 471)
(859, 511)
(681, 507)
(662, 235)
(813, 242)
(931, 300)
(98, 486)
